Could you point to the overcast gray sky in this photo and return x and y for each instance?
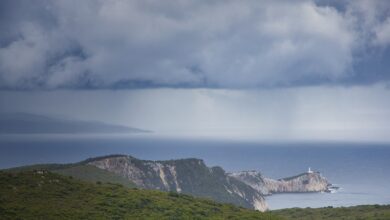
(271, 69)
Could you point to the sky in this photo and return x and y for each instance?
(304, 69)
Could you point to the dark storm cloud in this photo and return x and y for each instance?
(186, 44)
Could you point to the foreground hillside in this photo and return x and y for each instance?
(363, 212)
(45, 195)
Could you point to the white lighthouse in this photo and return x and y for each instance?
(309, 170)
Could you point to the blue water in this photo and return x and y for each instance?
(361, 170)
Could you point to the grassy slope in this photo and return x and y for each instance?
(94, 174)
(30, 195)
(80, 171)
(364, 212)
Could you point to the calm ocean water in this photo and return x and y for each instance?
(361, 170)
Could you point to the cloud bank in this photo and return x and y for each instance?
(213, 44)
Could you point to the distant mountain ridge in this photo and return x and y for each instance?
(26, 123)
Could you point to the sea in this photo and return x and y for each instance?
(361, 170)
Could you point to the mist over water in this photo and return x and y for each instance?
(360, 169)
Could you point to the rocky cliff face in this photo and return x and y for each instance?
(189, 176)
(192, 176)
(305, 182)
(253, 179)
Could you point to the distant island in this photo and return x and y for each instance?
(188, 176)
(26, 123)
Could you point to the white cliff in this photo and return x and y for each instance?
(305, 182)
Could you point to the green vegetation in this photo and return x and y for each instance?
(81, 171)
(364, 212)
(49, 166)
(46, 195)
(94, 174)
